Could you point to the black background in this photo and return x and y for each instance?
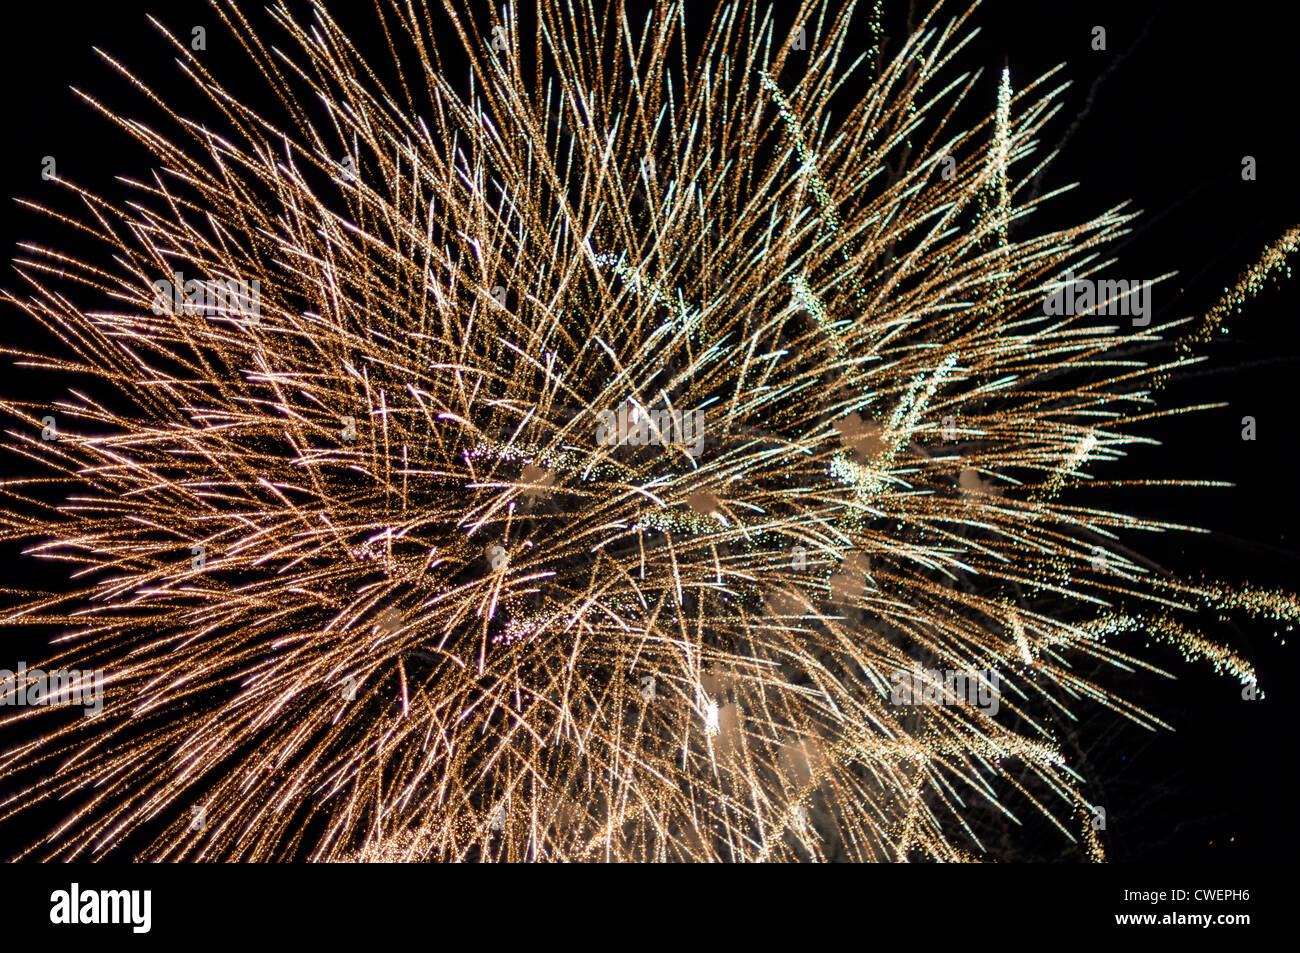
(1162, 118)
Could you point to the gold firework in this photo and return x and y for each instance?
(409, 547)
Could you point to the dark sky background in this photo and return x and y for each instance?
(1161, 118)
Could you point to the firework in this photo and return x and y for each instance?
(568, 467)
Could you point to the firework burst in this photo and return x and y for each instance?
(567, 466)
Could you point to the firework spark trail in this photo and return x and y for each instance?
(367, 585)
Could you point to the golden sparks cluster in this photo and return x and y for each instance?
(366, 584)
